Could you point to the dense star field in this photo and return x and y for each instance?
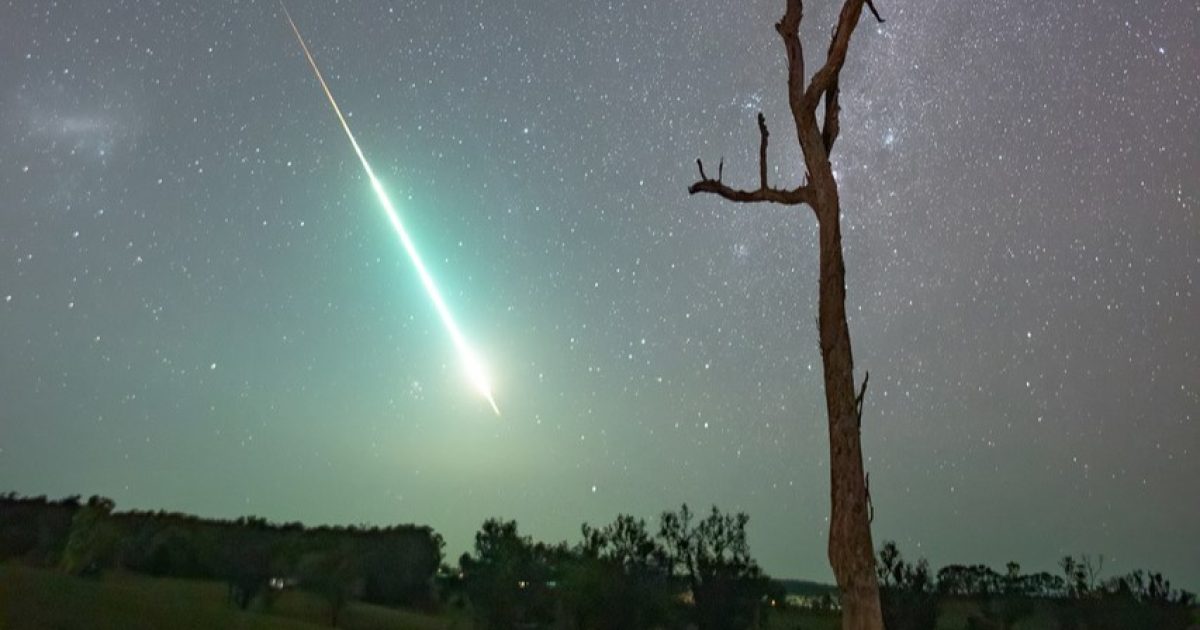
(203, 307)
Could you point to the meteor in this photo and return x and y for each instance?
(476, 371)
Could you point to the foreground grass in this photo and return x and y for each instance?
(797, 619)
(953, 614)
(36, 599)
(39, 598)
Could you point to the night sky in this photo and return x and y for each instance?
(203, 307)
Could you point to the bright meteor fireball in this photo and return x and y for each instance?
(474, 366)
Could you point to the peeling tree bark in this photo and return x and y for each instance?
(851, 551)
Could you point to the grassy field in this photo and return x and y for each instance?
(38, 598)
(802, 620)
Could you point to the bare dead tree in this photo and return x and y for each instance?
(851, 552)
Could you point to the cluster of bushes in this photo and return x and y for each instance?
(690, 573)
(386, 565)
(1077, 600)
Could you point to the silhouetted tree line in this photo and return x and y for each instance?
(393, 565)
(1079, 599)
(690, 572)
(693, 572)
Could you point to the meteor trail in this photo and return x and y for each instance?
(476, 371)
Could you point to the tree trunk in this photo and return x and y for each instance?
(851, 551)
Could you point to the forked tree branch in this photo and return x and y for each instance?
(787, 197)
(788, 28)
(835, 58)
(803, 101)
(832, 126)
(765, 193)
(827, 76)
(816, 142)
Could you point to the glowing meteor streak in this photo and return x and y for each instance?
(476, 371)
